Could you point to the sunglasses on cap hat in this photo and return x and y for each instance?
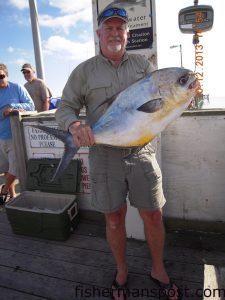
(111, 12)
(2, 76)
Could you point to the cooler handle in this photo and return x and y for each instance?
(72, 211)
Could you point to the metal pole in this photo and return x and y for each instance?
(36, 39)
(181, 61)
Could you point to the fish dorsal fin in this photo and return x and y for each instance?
(151, 106)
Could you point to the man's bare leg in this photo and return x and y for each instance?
(9, 184)
(155, 237)
(116, 237)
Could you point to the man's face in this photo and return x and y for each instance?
(3, 79)
(28, 74)
(113, 36)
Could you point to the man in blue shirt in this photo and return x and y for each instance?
(13, 97)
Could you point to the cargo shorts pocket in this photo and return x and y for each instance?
(147, 159)
(102, 198)
(98, 192)
(150, 168)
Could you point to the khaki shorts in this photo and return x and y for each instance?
(7, 157)
(116, 174)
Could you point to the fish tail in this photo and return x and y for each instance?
(69, 151)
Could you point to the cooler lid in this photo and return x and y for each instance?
(41, 170)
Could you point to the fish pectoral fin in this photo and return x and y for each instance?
(151, 106)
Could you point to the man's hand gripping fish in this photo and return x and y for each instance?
(137, 114)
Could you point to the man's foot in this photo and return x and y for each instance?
(169, 290)
(118, 290)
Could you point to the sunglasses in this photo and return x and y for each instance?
(26, 72)
(2, 76)
(113, 12)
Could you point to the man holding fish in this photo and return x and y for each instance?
(119, 171)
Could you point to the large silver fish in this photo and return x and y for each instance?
(138, 113)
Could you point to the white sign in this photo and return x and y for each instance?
(42, 145)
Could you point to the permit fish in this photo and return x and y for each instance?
(137, 114)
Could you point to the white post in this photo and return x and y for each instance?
(36, 39)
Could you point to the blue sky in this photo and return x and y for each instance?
(67, 39)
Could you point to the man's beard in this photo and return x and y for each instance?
(115, 47)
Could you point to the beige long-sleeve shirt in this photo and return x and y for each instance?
(93, 82)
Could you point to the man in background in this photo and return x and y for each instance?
(37, 88)
(13, 97)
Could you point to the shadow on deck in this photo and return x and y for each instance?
(82, 267)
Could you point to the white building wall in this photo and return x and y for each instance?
(193, 165)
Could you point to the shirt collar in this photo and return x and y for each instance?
(125, 57)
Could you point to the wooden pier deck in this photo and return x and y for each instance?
(82, 267)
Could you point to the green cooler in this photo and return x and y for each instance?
(47, 209)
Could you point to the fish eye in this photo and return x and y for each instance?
(183, 79)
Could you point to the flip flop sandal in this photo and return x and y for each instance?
(120, 288)
(3, 196)
(166, 287)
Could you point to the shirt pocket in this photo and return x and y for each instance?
(99, 89)
(98, 92)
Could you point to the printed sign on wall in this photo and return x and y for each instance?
(42, 145)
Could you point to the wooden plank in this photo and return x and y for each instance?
(134, 248)
(58, 289)
(94, 258)
(11, 294)
(51, 267)
(39, 285)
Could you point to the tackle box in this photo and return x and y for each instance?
(46, 209)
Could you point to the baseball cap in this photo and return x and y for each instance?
(112, 11)
(27, 67)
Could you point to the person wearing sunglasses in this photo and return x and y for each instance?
(116, 173)
(37, 88)
(13, 98)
